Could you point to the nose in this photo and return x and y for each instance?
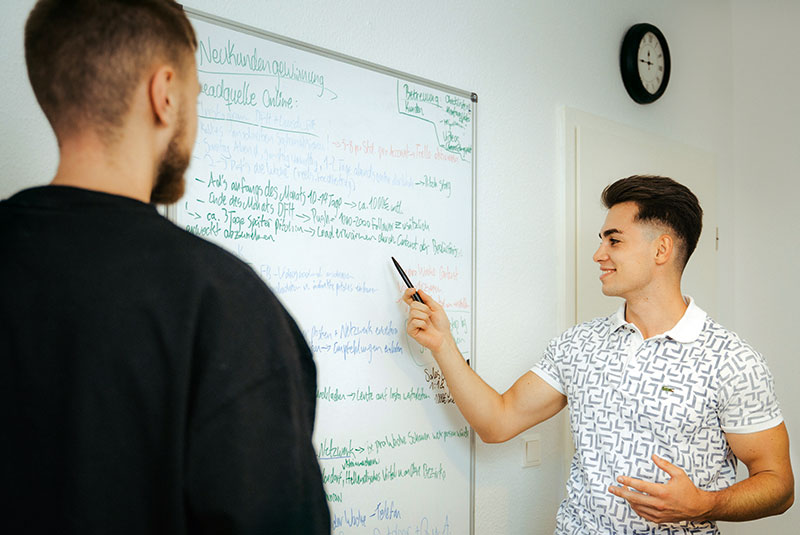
(600, 254)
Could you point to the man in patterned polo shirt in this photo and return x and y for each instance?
(663, 400)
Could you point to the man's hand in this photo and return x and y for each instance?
(494, 417)
(675, 501)
(427, 322)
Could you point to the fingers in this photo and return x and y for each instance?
(674, 501)
(633, 497)
(407, 296)
(642, 486)
(649, 487)
(426, 299)
(430, 301)
(667, 466)
(648, 513)
(643, 505)
(418, 314)
(418, 318)
(412, 304)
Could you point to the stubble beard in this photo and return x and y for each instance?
(170, 183)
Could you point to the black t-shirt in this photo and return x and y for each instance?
(149, 380)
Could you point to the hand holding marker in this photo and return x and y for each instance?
(416, 296)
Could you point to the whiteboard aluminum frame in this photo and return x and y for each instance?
(170, 211)
(206, 17)
(472, 435)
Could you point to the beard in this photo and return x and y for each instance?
(170, 184)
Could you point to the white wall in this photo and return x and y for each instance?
(27, 145)
(527, 59)
(766, 175)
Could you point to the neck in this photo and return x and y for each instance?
(121, 169)
(657, 312)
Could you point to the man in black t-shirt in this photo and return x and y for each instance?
(149, 381)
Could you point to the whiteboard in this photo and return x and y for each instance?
(315, 169)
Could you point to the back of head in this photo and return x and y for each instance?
(661, 201)
(86, 57)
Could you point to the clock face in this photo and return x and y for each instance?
(651, 62)
(645, 63)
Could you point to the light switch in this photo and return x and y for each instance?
(532, 452)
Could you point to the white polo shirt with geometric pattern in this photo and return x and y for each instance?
(675, 395)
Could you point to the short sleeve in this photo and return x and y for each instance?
(547, 367)
(747, 400)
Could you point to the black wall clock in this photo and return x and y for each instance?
(645, 63)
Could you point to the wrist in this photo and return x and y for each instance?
(709, 503)
(446, 347)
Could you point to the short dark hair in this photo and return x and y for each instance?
(663, 201)
(86, 57)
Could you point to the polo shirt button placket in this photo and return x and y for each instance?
(633, 345)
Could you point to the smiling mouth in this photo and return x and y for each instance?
(606, 272)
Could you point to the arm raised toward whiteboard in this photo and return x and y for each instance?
(495, 417)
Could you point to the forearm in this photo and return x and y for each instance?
(763, 494)
(480, 404)
(494, 417)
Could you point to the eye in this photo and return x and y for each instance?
(613, 241)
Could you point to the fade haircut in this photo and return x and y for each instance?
(662, 201)
(85, 58)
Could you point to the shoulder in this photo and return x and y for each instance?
(723, 340)
(237, 314)
(218, 275)
(202, 255)
(598, 327)
(732, 353)
(569, 354)
(577, 339)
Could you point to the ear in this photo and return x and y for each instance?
(163, 93)
(665, 248)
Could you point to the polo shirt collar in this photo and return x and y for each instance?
(685, 331)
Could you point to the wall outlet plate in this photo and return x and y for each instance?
(531, 450)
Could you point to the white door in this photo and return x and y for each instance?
(599, 152)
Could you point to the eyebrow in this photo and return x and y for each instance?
(609, 232)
